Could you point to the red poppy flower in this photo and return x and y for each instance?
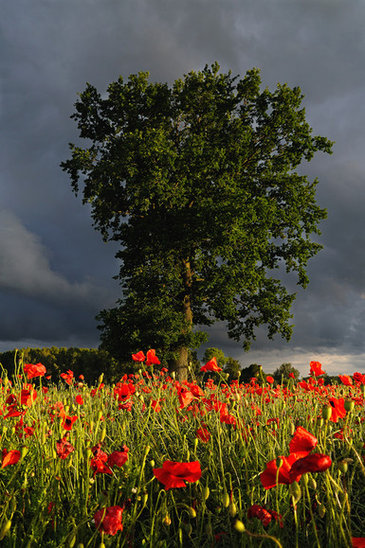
(152, 359)
(34, 370)
(256, 511)
(10, 457)
(268, 476)
(359, 378)
(358, 542)
(27, 397)
(203, 434)
(69, 421)
(302, 442)
(64, 447)
(211, 365)
(175, 474)
(99, 461)
(79, 399)
(139, 357)
(311, 463)
(316, 369)
(345, 379)
(68, 377)
(338, 409)
(118, 458)
(109, 520)
(269, 379)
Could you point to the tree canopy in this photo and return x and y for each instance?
(197, 181)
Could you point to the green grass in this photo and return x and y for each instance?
(50, 502)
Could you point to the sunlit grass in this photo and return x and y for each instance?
(50, 501)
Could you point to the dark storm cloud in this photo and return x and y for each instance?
(53, 263)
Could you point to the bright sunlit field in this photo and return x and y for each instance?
(154, 462)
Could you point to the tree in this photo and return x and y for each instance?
(282, 372)
(197, 183)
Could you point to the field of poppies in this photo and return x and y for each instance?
(154, 462)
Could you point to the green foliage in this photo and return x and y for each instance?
(89, 362)
(282, 373)
(197, 183)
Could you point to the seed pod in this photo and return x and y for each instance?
(326, 412)
(192, 512)
(225, 500)
(295, 491)
(232, 509)
(349, 405)
(343, 466)
(239, 526)
(5, 529)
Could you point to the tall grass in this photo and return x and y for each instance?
(51, 502)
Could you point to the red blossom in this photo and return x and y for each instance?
(316, 369)
(175, 474)
(139, 357)
(211, 365)
(68, 377)
(270, 379)
(203, 434)
(79, 399)
(10, 457)
(358, 542)
(311, 463)
(34, 370)
(64, 447)
(264, 515)
(152, 359)
(338, 409)
(118, 458)
(109, 520)
(68, 422)
(302, 441)
(345, 379)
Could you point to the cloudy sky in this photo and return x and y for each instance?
(55, 271)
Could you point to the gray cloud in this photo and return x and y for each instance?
(52, 262)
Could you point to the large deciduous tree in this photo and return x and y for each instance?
(197, 182)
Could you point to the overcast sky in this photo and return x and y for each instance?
(55, 271)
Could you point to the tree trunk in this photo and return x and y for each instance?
(180, 364)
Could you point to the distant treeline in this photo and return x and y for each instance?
(89, 362)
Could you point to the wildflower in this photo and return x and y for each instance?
(79, 399)
(109, 520)
(99, 461)
(34, 370)
(152, 358)
(68, 377)
(269, 379)
(175, 474)
(311, 463)
(338, 409)
(345, 379)
(302, 441)
(203, 434)
(265, 516)
(9, 457)
(316, 369)
(139, 357)
(358, 542)
(118, 458)
(69, 421)
(64, 447)
(211, 365)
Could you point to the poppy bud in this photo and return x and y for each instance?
(292, 429)
(295, 491)
(321, 510)
(232, 509)
(349, 405)
(100, 379)
(206, 492)
(152, 463)
(239, 526)
(326, 412)
(225, 500)
(343, 466)
(167, 520)
(103, 434)
(5, 529)
(192, 512)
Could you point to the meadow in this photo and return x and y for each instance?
(150, 461)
